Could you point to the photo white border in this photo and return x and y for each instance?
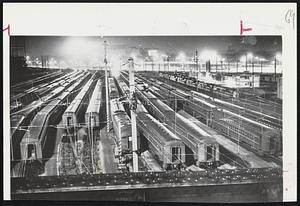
(119, 19)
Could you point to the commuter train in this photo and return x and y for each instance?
(166, 147)
(34, 141)
(74, 114)
(121, 124)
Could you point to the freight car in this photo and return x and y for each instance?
(121, 125)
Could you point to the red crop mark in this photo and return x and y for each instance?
(8, 29)
(242, 29)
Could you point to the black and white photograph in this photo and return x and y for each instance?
(151, 118)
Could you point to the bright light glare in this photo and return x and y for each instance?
(249, 55)
(278, 56)
(208, 55)
(243, 59)
(181, 57)
(80, 48)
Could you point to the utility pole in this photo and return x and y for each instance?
(197, 65)
(92, 138)
(253, 73)
(133, 114)
(106, 88)
(246, 63)
(275, 63)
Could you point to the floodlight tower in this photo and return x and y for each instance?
(133, 104)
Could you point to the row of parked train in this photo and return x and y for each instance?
(167, 148)
(22, 98)
(199, 146)
(81, 121)
(255, 135)
(252, 103)
(33, 127)
(21, 119)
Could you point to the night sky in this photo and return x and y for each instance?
(86, 48)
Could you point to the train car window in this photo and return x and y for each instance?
(69, 121)
(93, 122)
(209, 152)
(176, 153)
(30, 151)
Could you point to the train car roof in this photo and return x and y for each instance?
(164, 108)
(204, 102)
(115, 105)
(140, 108)
(123, 118)
(166, 134)
(15, 121)
(35, 128)
(37, 124)
(248, 120)
(95, 102)
(195, 130)
(149, 95)
(192, 119)
(78, 99)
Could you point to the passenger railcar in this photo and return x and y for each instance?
(92, 114)
(124, 88)
(121, 124)
(203, 145)
(22, 99)
(20, 119)
(34, 140)
(112, 88)
(257, 135)
(76, 110)
(253, 135)
(163, 144)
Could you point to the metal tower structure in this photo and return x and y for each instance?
(133, 104)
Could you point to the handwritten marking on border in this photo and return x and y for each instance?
(242, 29)
(290, 17)
(8, 29)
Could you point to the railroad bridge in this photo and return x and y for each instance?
(253, 185)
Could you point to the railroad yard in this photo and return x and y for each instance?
(87, 129)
